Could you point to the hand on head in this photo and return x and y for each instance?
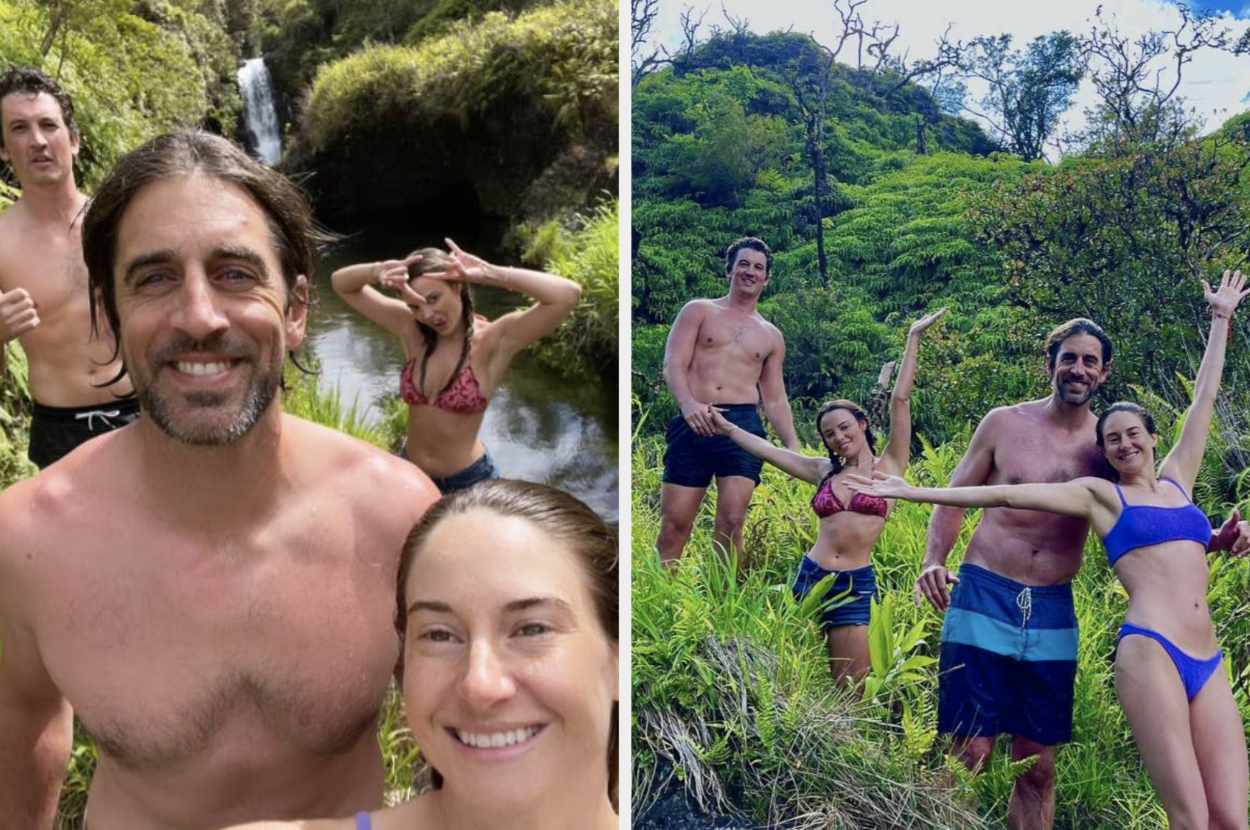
(923, 323)
(18, 314)
(461, 266)
(1225, 298)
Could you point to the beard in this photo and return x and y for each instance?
(1071, 396)
(207, 417)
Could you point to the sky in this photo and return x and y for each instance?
(1215, 84)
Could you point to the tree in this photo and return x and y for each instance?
(1028, 91)
(1138, 79)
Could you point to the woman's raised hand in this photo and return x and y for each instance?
(881, 484)
(923, 323)
(462, 266)
(393, 274)
(1224, 299)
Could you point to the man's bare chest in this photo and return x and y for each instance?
(163, 665)
(49, 266)
(1035, 456)
(742, 339)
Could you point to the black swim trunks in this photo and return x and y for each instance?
(692, 460)
(55, 430)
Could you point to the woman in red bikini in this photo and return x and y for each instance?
(1168, 667)
(850, 523)
(455, 359)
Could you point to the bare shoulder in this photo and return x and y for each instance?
(769, 329)
(696, 310)
(378, 481)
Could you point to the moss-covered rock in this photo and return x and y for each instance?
(475, 117)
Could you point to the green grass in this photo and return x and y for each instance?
(732, 691)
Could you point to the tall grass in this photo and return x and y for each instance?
(732, 691)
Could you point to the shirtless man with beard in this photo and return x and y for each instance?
(721, 352)
(211, 588)
(43, 281)
(1009, 633)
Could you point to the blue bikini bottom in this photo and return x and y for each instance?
(1194, 672)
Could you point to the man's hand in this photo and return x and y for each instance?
(1233, 536)
(932, 586)
(18, 314)
(695, 415)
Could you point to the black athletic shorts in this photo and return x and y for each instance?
(55, 430)
(692, 460)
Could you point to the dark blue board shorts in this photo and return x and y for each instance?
(692, 460)
(1008, 659)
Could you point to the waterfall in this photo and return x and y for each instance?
(259, 115)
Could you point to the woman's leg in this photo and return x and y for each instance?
(848, 652)
(1153, 697)
(1220, 744)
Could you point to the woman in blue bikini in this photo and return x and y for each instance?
(850, 524)
(1167, 671)
(455, 358)
(508, 600)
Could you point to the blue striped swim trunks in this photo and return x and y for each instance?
(1008, 659)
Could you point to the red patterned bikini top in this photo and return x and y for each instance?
(826, 502)
(463, 396)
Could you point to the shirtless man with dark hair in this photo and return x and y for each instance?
(43, 282)
(721, 352)
(1009, 638)
(212, 588)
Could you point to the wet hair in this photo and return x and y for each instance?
(561, 516)
(1077, 325)
(436, 259)
(27, 80)
(860, 415)
(751, 242)
(292, 230)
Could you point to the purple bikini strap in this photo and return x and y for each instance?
(363, 821)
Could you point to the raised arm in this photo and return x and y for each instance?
(1185, 458)
(806, 467)
(555, 298)
(897, 450)
(678, 355)
(354, 283)
(773, 396)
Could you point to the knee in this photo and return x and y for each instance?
(1191, 815)
(675, 528)
(729, 521)
(976, 753)
(1040, 777)
(1225, 819)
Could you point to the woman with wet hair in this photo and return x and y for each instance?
(849, 523)
(1169, 672)
(507, 615)
(455, 359)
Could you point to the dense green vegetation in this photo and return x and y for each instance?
(731, 688)
(1014, 247)
(765, 136)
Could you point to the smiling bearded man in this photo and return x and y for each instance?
(212, 588)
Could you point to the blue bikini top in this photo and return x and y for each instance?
(1146, 524)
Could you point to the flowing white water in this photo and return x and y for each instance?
(259, 115)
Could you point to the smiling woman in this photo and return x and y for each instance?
(507, 607)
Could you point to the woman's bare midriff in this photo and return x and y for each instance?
(1167, 589)
(443, 443)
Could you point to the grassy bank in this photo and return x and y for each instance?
(731, 688)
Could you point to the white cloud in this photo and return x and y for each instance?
(1215, 84)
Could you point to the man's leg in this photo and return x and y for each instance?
(1032, 804)
(973, 751)
(678, 507)
(733, 494)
